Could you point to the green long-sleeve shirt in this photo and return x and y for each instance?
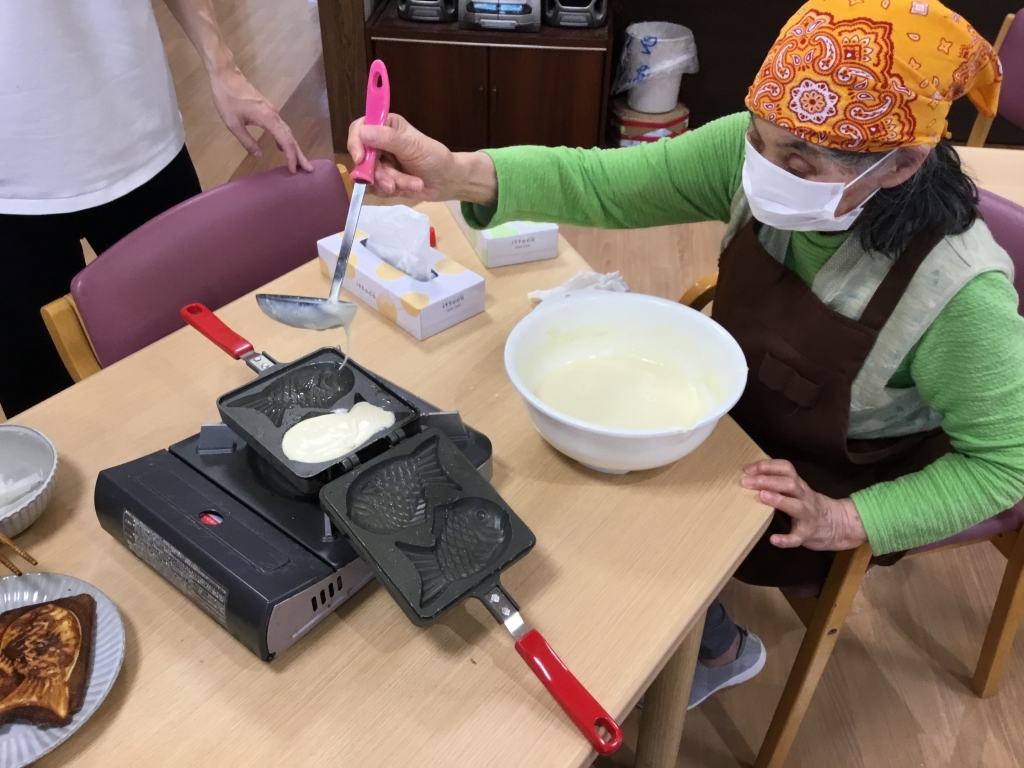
(969, 365)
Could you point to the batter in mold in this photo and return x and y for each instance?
(333, 435)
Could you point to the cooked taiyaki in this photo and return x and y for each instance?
(317, 385)
(393, 496)
(474, 534)
(45, 652)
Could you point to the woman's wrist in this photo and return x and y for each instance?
(851, 528)
(474, 179)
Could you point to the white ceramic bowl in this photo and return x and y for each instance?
(612, 323)
(24, 451)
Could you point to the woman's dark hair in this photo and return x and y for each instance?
(940, 194)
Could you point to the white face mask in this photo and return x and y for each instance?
(784, 201)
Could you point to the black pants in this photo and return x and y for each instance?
(39, 255)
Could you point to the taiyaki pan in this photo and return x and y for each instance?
(393, 496)
(262, 411)
(45, 654)
(474, 535)
(429, 526)
(317, 385)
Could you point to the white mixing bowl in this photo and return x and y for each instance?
(594, 323)
(23, 452)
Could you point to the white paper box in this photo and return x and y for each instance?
(421, 308)
(515, 242)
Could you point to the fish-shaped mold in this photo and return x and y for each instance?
(317, 385)
(393, 496)
(475, 533)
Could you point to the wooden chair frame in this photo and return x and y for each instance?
(69, 337)
(824, 616)
(982, 124)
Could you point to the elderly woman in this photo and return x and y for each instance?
(876, 312)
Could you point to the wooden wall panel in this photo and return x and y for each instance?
(341, 28)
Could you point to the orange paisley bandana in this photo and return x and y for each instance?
(871, 75)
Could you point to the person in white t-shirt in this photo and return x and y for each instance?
(91, 147)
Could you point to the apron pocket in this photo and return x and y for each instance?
(784, 379)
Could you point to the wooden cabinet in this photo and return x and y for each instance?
(541, 96)
(441, 89)
(471, 90)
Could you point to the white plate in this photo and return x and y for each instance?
(20, 743)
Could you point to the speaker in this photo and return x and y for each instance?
(507, 15)
(576, 13)
(428, 10)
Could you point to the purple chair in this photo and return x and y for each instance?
(1011, 56)
(211, 249)
(1010, 47)
(823, 608)
(1005, 219)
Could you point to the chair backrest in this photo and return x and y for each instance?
(211, 249)
(1011, 56)
(1005, 219)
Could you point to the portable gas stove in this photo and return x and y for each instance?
(228, 530)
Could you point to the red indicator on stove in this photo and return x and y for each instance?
(211, 518)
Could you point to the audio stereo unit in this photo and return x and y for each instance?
(428, 10)
(500, 15)
(576, 13)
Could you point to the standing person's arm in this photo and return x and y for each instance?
(237, 101)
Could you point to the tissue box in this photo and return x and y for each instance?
(516, 242)
(422, 309)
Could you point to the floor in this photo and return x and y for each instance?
(895, 692)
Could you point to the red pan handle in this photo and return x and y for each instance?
(579, 705)
(213, 328)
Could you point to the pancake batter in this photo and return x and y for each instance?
(626, 391)
(333, 435)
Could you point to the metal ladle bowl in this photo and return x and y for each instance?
(324, 314)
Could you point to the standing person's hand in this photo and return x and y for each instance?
(819, 522)
(239, 104)
(411, 164)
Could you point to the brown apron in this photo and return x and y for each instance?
(803, 358)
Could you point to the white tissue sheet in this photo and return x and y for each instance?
(399, 236)
(13, 491)
(584, 281)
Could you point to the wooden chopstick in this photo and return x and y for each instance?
(11, 566)
(24, 555)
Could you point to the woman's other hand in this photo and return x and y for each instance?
(239, 104)
(411, 164)
(819, 522)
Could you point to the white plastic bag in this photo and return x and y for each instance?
(399, 236)
(659, 51)
(584, 281)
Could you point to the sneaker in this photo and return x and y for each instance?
(710, 680)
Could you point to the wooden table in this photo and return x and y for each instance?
(997, 170)
(623, 568)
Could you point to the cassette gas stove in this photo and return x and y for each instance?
(228, 530)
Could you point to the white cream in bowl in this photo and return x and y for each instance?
(623, 381)
(628, 391)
